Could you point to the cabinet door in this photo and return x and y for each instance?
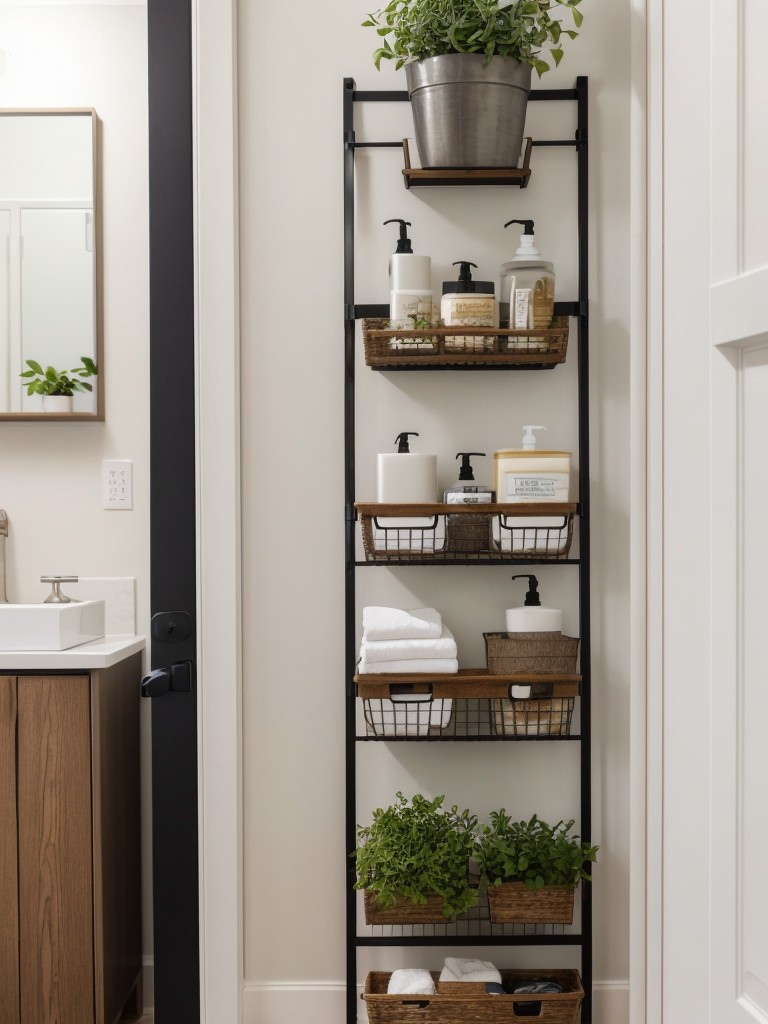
(9, 907)
(55, 861)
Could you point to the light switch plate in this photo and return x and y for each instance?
(117, 483)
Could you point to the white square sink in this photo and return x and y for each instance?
(50, 627)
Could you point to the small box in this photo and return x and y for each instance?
(512, 653)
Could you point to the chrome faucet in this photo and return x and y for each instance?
(3, 535)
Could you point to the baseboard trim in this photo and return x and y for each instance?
(325, 1002)
(148, 981)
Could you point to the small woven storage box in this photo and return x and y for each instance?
(464, 1002)
(405, 911)
(511, 653)
(513, 903)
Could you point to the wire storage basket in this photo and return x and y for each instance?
(393, 346)
(436, 532)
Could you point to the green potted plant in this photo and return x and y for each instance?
(413, 862)
(531, 869)
(468, 68)
(57, 387)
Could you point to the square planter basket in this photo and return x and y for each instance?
(513, 903)
(467, 1002)
(405, 911)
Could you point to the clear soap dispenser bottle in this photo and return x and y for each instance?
(527, 289)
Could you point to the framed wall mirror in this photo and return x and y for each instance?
(50, 265)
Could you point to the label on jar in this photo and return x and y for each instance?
(474, 311)
(536, 486)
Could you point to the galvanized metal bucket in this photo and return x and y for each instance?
(468, 112)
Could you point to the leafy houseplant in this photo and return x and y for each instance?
(58, 383)
(432, 28)
(532, 868)
(468, 68)
(413, 855)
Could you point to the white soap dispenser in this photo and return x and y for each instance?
(527, 292)
(532, 617)
(410, 280)
(405, 477)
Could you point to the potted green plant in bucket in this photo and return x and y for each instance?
(413, 862)
(57, 387)
(531, 869)
(468, 68)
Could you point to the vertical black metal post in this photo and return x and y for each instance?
(349, 516)
(584, 528)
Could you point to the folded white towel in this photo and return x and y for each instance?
(410, 666)
(469, 969)
(381, 623)
(411, 981)
(443, 646)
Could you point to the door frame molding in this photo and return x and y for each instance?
(647, 503)
(218, 488)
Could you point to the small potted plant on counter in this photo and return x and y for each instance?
(468, 69)
(57, 387)
(531, 869)
(413, 862)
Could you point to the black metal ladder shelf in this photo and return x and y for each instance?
(474, 930)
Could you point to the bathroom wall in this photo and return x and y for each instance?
(50, 473)
(291, 231)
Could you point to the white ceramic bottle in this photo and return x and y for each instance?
(410, 280)
(531, 617)
(405, 477)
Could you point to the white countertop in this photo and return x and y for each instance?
(97, 654)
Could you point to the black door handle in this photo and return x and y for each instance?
(179, 678)
(156, 683)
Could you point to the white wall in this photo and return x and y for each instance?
(50, 475)
(291, 229)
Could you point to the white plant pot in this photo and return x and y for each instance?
(57, 403)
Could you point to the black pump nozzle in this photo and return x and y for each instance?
(465, 274)
(532, 597)
(402, 441)
(527, 225)
(403, 242)
(466, 466)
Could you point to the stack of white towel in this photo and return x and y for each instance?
(412, 981)
(406, 641)
(410, 642)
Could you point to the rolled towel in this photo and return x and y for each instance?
(443, 646)
(382, 623)
(412, 666)
(411, 981)
(469, 969)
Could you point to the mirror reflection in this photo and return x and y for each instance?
(49, 263)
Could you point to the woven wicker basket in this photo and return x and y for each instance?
(509, 653)
(512, 903)
(467, 1003)
(405, 911)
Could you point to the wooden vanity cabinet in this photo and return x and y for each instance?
(70, 885)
